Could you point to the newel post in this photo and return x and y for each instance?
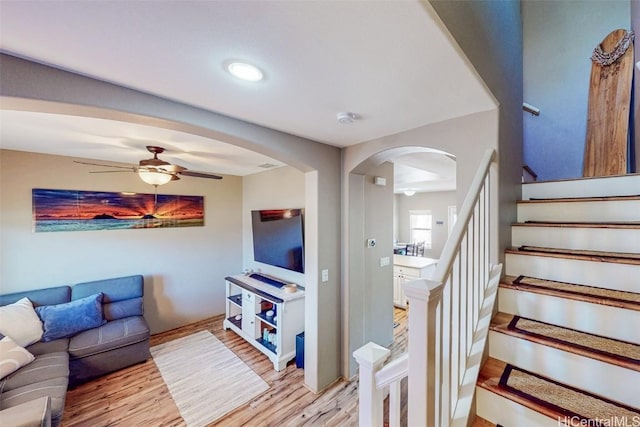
(424, 300)
(370, 358)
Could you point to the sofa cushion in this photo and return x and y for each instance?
(48, 296)
(121, 309)
(122, 295)
(20, 322)
(34, 413)
(54, 346)
(12, 357)
(114, 334)
(65, 320)
(43, 368)
(55, 388)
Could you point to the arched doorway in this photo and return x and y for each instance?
(377, 209)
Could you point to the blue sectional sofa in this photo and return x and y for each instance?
(36, 392)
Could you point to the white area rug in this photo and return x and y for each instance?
(205, 378)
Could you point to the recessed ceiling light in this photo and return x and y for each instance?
(346, 117)
(245, 71)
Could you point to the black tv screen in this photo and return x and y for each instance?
(278, 238)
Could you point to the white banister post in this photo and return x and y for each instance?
(395, 392)
(424, 297)
(370, 358)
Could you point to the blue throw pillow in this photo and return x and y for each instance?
(65, 320)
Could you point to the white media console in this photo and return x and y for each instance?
(265, 315)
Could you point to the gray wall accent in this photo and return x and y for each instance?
(378, 294)
(353, 299)
(438, 203)
(370, 299)
(490, 34)
(559, 38)
(30, 86)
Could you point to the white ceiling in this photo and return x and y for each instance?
(389, 62)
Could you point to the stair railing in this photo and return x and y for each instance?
(448, 324)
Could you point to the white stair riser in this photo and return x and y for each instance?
(583, 316)
(600, 211)
(604, 379)
(499, 410)
(623, 277)
(595, 239)
(627, 185)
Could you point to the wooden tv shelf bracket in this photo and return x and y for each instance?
(265, 316)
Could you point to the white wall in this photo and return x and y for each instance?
(436, 202)
(275, 189)
(183, 268)
(558, 40)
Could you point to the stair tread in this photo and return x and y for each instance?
(578, 254)
(605, 349)
(580, 199)
(546, 396)
(627, 225)
(591, 294)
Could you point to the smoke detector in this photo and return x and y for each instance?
(346, 117)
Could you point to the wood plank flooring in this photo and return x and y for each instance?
(137, 396)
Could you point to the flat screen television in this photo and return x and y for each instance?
(278, 238)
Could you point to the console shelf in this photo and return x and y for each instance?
(251, 299)
(236, 299)
(236, 323)
(266, 319)
(272, 348)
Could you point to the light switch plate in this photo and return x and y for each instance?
(325, 275)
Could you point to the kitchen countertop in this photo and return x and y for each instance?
(413, 261)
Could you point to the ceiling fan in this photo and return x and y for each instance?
(154, 171)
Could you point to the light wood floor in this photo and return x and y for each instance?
(137, 396)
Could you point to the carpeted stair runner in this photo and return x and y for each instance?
(620, 257)
(602, 348)
(611, 297)
(556, 400)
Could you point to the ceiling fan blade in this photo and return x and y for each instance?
(103, 165)
(199, 174)
(172, 168)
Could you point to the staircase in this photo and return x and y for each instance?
(564, 347)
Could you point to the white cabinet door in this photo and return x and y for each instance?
(399, 299)
(397, 284)
(249, 313)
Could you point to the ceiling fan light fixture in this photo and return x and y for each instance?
(154, 177)
(245, 71)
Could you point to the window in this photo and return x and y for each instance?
(420, 227)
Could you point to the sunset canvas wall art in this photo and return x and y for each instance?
(73, 210)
